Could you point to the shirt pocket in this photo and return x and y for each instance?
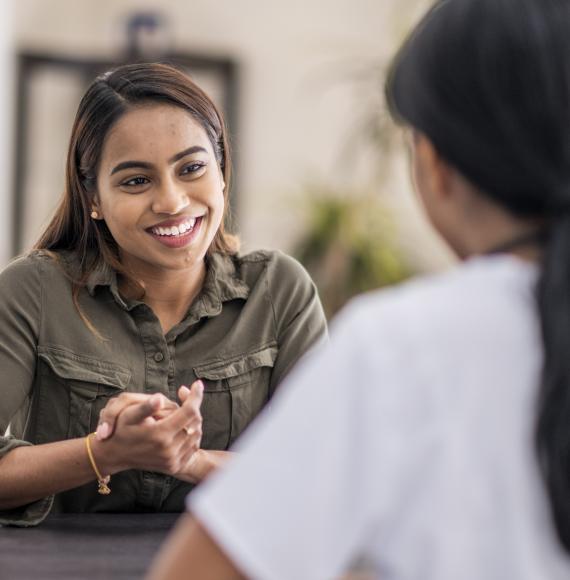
(235, 391)
(74, 389)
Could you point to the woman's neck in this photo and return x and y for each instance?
(520, 239)
(476, 225)
(169, 293)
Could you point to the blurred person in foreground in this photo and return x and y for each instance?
(135, 290)
(443, 449)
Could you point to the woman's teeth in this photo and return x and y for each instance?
(178, 230)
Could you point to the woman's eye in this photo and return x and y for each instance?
(192, 168)
(135, 182)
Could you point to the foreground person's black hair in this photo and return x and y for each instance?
(488, 81)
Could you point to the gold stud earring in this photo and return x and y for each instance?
(95, 215)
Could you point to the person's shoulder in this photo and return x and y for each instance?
(270, 258)
(21, 281)
(24, 266)
(479, 290)
(33, 265)
(279, 269)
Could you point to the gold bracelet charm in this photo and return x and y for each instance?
(103, 482)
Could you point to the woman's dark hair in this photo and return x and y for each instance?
(108, 98)
(488, 82)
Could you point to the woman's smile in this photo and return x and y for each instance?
(177, 233)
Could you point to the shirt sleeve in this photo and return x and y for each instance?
(299, 499)
(20, 315)
(298, 313)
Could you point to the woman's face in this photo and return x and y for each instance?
(160, 189)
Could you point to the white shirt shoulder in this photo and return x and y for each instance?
(408, 439)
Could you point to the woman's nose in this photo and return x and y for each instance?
(171, 198)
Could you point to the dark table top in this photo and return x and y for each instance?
(83, 547)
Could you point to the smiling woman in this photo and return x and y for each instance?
(135, 290)
(160, 189)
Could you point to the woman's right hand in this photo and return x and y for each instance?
(144, 438)
(109, 414)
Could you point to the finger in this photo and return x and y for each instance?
(183, 393)
(189, 410)
(165, 411)
(193, 426)
(197, 388)
(188, 444)
(104, 431)
(136, 413)
(108, 416)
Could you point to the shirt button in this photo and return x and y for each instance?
(158, 357)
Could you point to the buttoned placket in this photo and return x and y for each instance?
(159, 353)
(157, 360)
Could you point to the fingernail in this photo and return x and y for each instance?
(156, 398)
(199, 386)
(103, 431)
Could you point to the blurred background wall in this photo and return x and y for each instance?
(308, 121)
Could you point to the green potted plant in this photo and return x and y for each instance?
(348, 246)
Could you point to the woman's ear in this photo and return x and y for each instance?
(432, 173)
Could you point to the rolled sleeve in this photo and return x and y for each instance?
(20, 315)
(28, 515)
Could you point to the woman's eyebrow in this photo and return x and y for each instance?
(130, 165)
(193, 149)
(145, 165)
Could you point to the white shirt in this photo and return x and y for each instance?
(407, 440)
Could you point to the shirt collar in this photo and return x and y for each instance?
(102, 275)
(221, 284)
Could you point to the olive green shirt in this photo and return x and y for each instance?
(254, 317)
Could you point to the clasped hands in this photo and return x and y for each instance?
(153, 433)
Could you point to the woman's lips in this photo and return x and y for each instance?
(177, 240)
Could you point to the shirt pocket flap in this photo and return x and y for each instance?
(70, 366)
(236, 370)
